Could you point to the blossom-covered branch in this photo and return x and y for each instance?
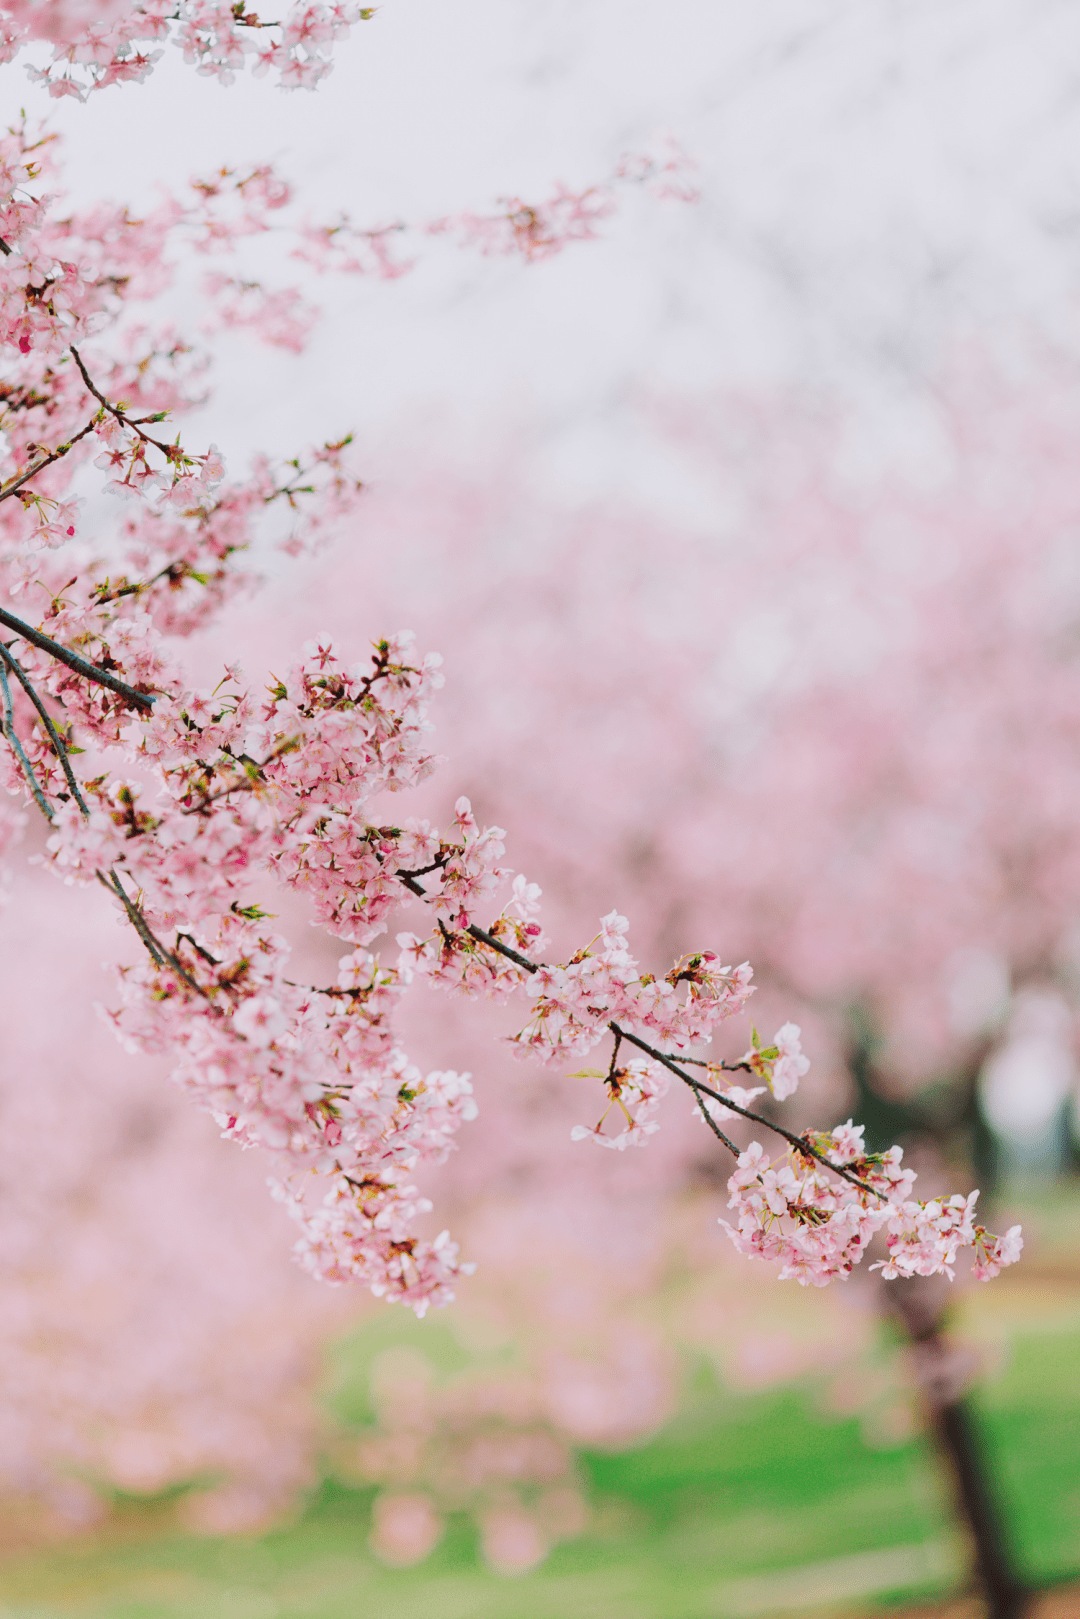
(192, 799)
(114, 42)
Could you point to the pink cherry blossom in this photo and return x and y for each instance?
(193, 800)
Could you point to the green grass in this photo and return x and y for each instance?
(687, 1526)
(1032, 1428)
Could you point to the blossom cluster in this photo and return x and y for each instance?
(316, 1076)
(184, 803)
(192, 795)
(817, 1225)
(116, 42)
(575, 1003)
(538, 230)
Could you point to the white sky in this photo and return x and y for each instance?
(884, 182)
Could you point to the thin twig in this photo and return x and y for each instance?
(135, 916)
(160, 953)
(54, 735)
(79, 665)
(713, 1126)
(245, 783)
(13, 486)
(314, 989)
(728, 1067)
(9, 731)
(169, 451)
(171, 570)
(472, 930)
(504, 949)
(800, 1143)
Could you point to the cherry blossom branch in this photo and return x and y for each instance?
(171, 452)
(318, 1077)
(159, 953)
(46, 718)
(714, 1127)
(13, 485)
(13, 739)
(73, 661)
(474, 932)
(800, 1143)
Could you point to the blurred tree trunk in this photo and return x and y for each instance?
(919, 1305)
(942, 1374)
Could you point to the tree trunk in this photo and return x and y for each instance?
(942, 1376)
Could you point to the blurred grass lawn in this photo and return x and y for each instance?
(693, 1524)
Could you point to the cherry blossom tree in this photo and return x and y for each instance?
(288, 788)
(194, 805)
(880, 809)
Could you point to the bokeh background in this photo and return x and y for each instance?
(750, 533)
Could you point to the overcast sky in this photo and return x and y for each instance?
(885, 185)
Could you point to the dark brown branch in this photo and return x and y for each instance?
(423, 871)
(169, 451)
(480, 934)
(54, 735)
(504, 949)
(800, 1143)
(159, 952)
(711, 1122)
(13, 486)
(135, 917)
(20, 753)
(213, 961)
(956, 1426)
(411, 884)
(75, 662)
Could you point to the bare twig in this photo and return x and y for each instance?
(713, 1126)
